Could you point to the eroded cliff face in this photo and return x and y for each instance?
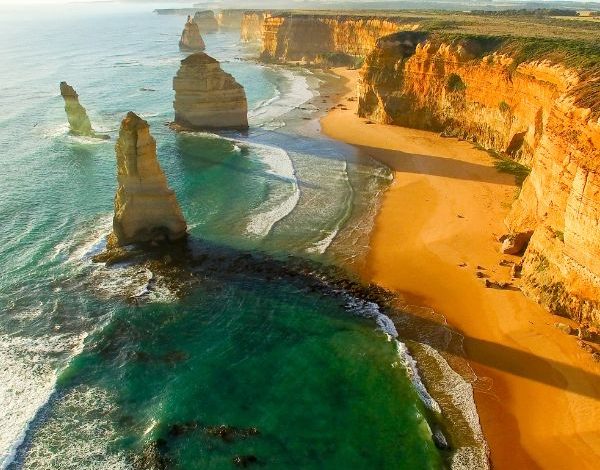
(146, 209)
(535, 113)
(206, 21)
(230, 19)
(191, 40)
(252, 25)
(315, 38)
(207, 97)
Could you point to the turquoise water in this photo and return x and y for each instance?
(302, 372)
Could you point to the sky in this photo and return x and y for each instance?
(185, 3)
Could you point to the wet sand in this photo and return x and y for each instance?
(538, 396)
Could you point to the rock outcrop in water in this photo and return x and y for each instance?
(191, 40)
(207, 97)
(206, 21)
(542, 114)
(146, 210)
(79, 122)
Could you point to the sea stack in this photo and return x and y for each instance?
(207, 97)
(206, 21)
(146, 209)
(79, 121)
(190, 38)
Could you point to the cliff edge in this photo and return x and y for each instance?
(540, 117)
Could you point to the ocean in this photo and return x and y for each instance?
(266, 358)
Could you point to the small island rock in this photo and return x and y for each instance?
(79, 122)
(207, 97)
(191, 40)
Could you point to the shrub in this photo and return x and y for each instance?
(455, 84)
(503, 107)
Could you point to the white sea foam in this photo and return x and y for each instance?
(281, 202)
(371, 310)
(77, 434)
(293, 93)
(410, 365)
(27, 381)
(324, 243)
(321, 245)
(461, 395)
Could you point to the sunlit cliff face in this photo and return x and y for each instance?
(529, 112)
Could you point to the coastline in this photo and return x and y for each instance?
(537, 393)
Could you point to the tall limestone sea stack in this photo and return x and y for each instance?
(79, 121)
(191, 40)
(207, 97)
(146, 210)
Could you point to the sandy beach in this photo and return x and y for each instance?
(437, 227)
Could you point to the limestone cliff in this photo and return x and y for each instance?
(206, 21)
(79, 122)
(252, 25)
(146, 210)
(230, 19)
(191, 40)
(207, 97)
(541, 113)
(313, 38)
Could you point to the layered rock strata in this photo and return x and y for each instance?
(252, 25)
(191, 40)
(308, 38)
(79, 122)
(543, 114)
(230, 19)
(146, 209)
(206, 21)
(207, 97)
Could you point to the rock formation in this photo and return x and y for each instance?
(190, 37)
(206, 21)
(78, 119)
(252, 25)
(230, 19)
(146, 210)
(319, 38)
(543, 114)
(206, 97)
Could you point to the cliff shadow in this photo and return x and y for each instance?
(433, 165)
(187, 264)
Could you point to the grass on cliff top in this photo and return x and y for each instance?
(580, 55)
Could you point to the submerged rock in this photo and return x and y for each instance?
(146, 209)
(191, 40)
(79, 122)
(244, 460)
(152, 457)
(207, 97)
(230, 433)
